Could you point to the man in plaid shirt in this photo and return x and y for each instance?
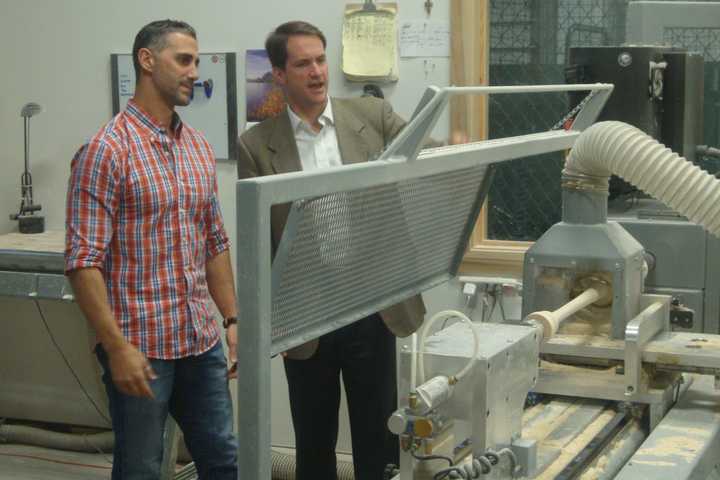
(146, 253)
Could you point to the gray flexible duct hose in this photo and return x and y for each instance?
(621, 149)
(283, 465)
(76, 442)
(283, 468)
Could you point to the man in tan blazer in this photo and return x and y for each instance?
(315, 132)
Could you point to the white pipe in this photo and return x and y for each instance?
(423, 335)
(621, 149)
(588, 297)
(551, 321)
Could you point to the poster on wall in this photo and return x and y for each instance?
(213, 108)
(263, 99)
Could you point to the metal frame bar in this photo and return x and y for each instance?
(409, 141)
(31, 261)
(685, 443)
(253, 386)
(638, 332)
(256, 196)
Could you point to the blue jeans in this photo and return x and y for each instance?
(194, 390)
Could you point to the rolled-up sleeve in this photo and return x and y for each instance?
(217, 238)
(92, 201)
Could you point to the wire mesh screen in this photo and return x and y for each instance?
(529, 40)
(529, 44)
(344, 254)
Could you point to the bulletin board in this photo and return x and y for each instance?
(213, 109)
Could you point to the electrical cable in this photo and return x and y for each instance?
(467, 310)
(492, 310)
(431, 457)
(442, 327)
(72, 370)
(479, 466)
(502, 308)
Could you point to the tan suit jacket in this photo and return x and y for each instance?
(364, 126)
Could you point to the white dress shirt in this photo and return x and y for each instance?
(331, 216)
(316, 150)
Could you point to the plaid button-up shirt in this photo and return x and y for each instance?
(142, 206)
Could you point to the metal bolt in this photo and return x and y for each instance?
(624, 59)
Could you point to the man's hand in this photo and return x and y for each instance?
(231, 338)
(131, 371)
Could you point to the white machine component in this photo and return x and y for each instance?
(481, 412)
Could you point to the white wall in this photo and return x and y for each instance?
(56, 53)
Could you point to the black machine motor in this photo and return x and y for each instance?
(657, 89)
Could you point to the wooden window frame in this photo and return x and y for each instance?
(469, 65)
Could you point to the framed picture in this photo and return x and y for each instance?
(263, 99)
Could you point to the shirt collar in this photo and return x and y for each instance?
(326, 118)
(148, 121)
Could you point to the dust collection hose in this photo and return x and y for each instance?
(445, 314)
(283, 465)
(618, 148)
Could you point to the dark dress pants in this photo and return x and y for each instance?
(364, 352)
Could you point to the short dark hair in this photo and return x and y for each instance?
(152, 36)
(276, 43)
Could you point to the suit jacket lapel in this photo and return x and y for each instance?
(282, 142)
(349, 129)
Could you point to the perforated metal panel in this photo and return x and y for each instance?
(344, 255)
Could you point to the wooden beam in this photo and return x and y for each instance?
(469, 64)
